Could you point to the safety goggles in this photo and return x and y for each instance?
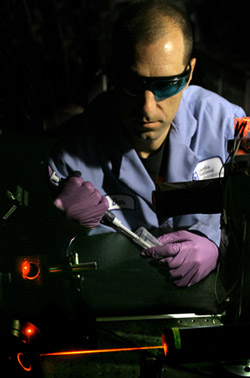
(162, 86)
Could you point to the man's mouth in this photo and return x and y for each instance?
(148, 124)
(151, 124)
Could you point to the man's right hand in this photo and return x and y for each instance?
(81, 202)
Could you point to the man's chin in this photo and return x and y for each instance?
(146, 142)
(146, 136)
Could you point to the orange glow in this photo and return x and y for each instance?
(29, 331)
(77, 352)
(246, 133)
(164, 344)
(55, 270)
(165, 348)
(19, 355)
(26, 270)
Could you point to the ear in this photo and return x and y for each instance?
(192, 63)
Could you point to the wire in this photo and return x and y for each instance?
(233, 223)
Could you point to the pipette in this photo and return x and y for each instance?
(110, 219)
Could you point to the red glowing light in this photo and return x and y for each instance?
(165, 348)
(245, 120)
(29, 332)
(164, 345)
(76, 352)
(30, 270)
(25, 268)
(19, 358)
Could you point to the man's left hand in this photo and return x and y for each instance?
(190, 257)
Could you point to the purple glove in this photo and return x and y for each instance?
(190, 257)
(82, 202)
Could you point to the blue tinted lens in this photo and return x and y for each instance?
(162, 87)
(169, 90)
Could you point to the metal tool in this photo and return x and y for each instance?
(110, 219)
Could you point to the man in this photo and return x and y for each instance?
(151, 126)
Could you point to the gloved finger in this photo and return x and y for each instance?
(100, 199)
(181, 271)
(72, 183)
(105, 202)
(182, 264)
(174, 262)
(50, 171)
(89, 216)
(187, 280)
(166, 260)
(58, 203)
(180, 258)
(173, 237)
(162, 251)
(88, 186)
(95, 198)
(100, 209)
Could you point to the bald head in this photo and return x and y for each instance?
(143, 23)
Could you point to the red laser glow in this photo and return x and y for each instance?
(26, 368)
(30, 270)
(77, 352)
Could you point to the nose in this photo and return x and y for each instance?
(149, 103)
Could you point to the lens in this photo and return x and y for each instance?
(169, 90)
(162, 87)
(132, 87)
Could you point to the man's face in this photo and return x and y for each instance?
(147, 120)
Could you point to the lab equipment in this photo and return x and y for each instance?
(110, 219)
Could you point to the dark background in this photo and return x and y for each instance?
(53, 61)
(54, 58)
(54, 55)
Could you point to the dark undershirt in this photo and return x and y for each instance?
(154, 163)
